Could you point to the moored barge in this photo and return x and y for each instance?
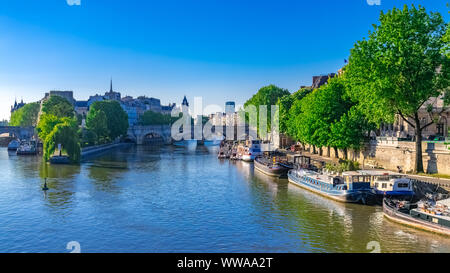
(274, 169)
(435, 219)
(352, 189)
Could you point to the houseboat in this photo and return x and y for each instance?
(252, 150)
(27, 148)
(390, 184)
(353, 188)
(429, 215)
(273, 167)
(13, 145)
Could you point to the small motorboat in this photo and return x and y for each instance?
(13, 145)
(271, 168)
(27, 148)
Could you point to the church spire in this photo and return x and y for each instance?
(111, 89)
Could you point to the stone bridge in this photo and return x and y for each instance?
(139, 134)
(17, 132)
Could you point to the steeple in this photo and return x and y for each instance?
(111, 89)
(185, 102)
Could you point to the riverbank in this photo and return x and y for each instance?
(95, 150)
(435, 181)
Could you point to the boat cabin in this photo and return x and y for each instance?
(304, 162)
(356, 180)
(386, 181)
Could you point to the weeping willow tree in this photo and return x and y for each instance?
(64, 133)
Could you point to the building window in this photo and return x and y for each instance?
(440, 129)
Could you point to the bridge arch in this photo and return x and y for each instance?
(17, 132)
(143, 134)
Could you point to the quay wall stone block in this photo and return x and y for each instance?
(391, 154)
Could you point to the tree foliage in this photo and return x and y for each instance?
(58, 106)
(64, 133)
(285, 103)
(97, 125)
(58, 125)
(116, 117)
(267, 96)
(25, 116)
(153, 118)
(320, 110)
(396, 70)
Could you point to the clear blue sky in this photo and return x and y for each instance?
(218, 49)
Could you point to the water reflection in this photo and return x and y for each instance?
(150, 199)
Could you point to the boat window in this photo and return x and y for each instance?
(403, 185)
(355, 178)
(384, 185)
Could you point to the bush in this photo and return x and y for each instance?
(343, 166)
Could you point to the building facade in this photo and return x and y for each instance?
(439, 128)
(17, 106)
(68, 95)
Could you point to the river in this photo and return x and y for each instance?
(170, 199)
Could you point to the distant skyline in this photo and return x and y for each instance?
(219, 50)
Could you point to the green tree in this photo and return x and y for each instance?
(267, 96)
(58, 106)
(396, 70)
(285, 104)
(116, 117)
(64, 133)
(350, 131)
(25, 116)
(320, 109)
(46, 124)
(97, 122)
(153, 118)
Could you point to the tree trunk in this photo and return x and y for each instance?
(329, 152)
(345, 153)
(336, 152)
(320, 151)
(419, 162)
(314, 149)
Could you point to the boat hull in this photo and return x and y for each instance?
(278, 171)
(345, 196)
(26, 152)
(407, 220)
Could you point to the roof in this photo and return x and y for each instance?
(81, 104)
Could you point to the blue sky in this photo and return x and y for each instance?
(217, 49)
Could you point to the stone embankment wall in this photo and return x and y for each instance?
(4, 141)
(94, 150)
(390, 154)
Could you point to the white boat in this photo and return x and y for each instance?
(252, 150)
(27, 148)
(13, 145)
(389, 184)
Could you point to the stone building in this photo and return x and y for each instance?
(68, 95)
(81, 108)
(318, 81)
(17, 106)
(439, 128)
